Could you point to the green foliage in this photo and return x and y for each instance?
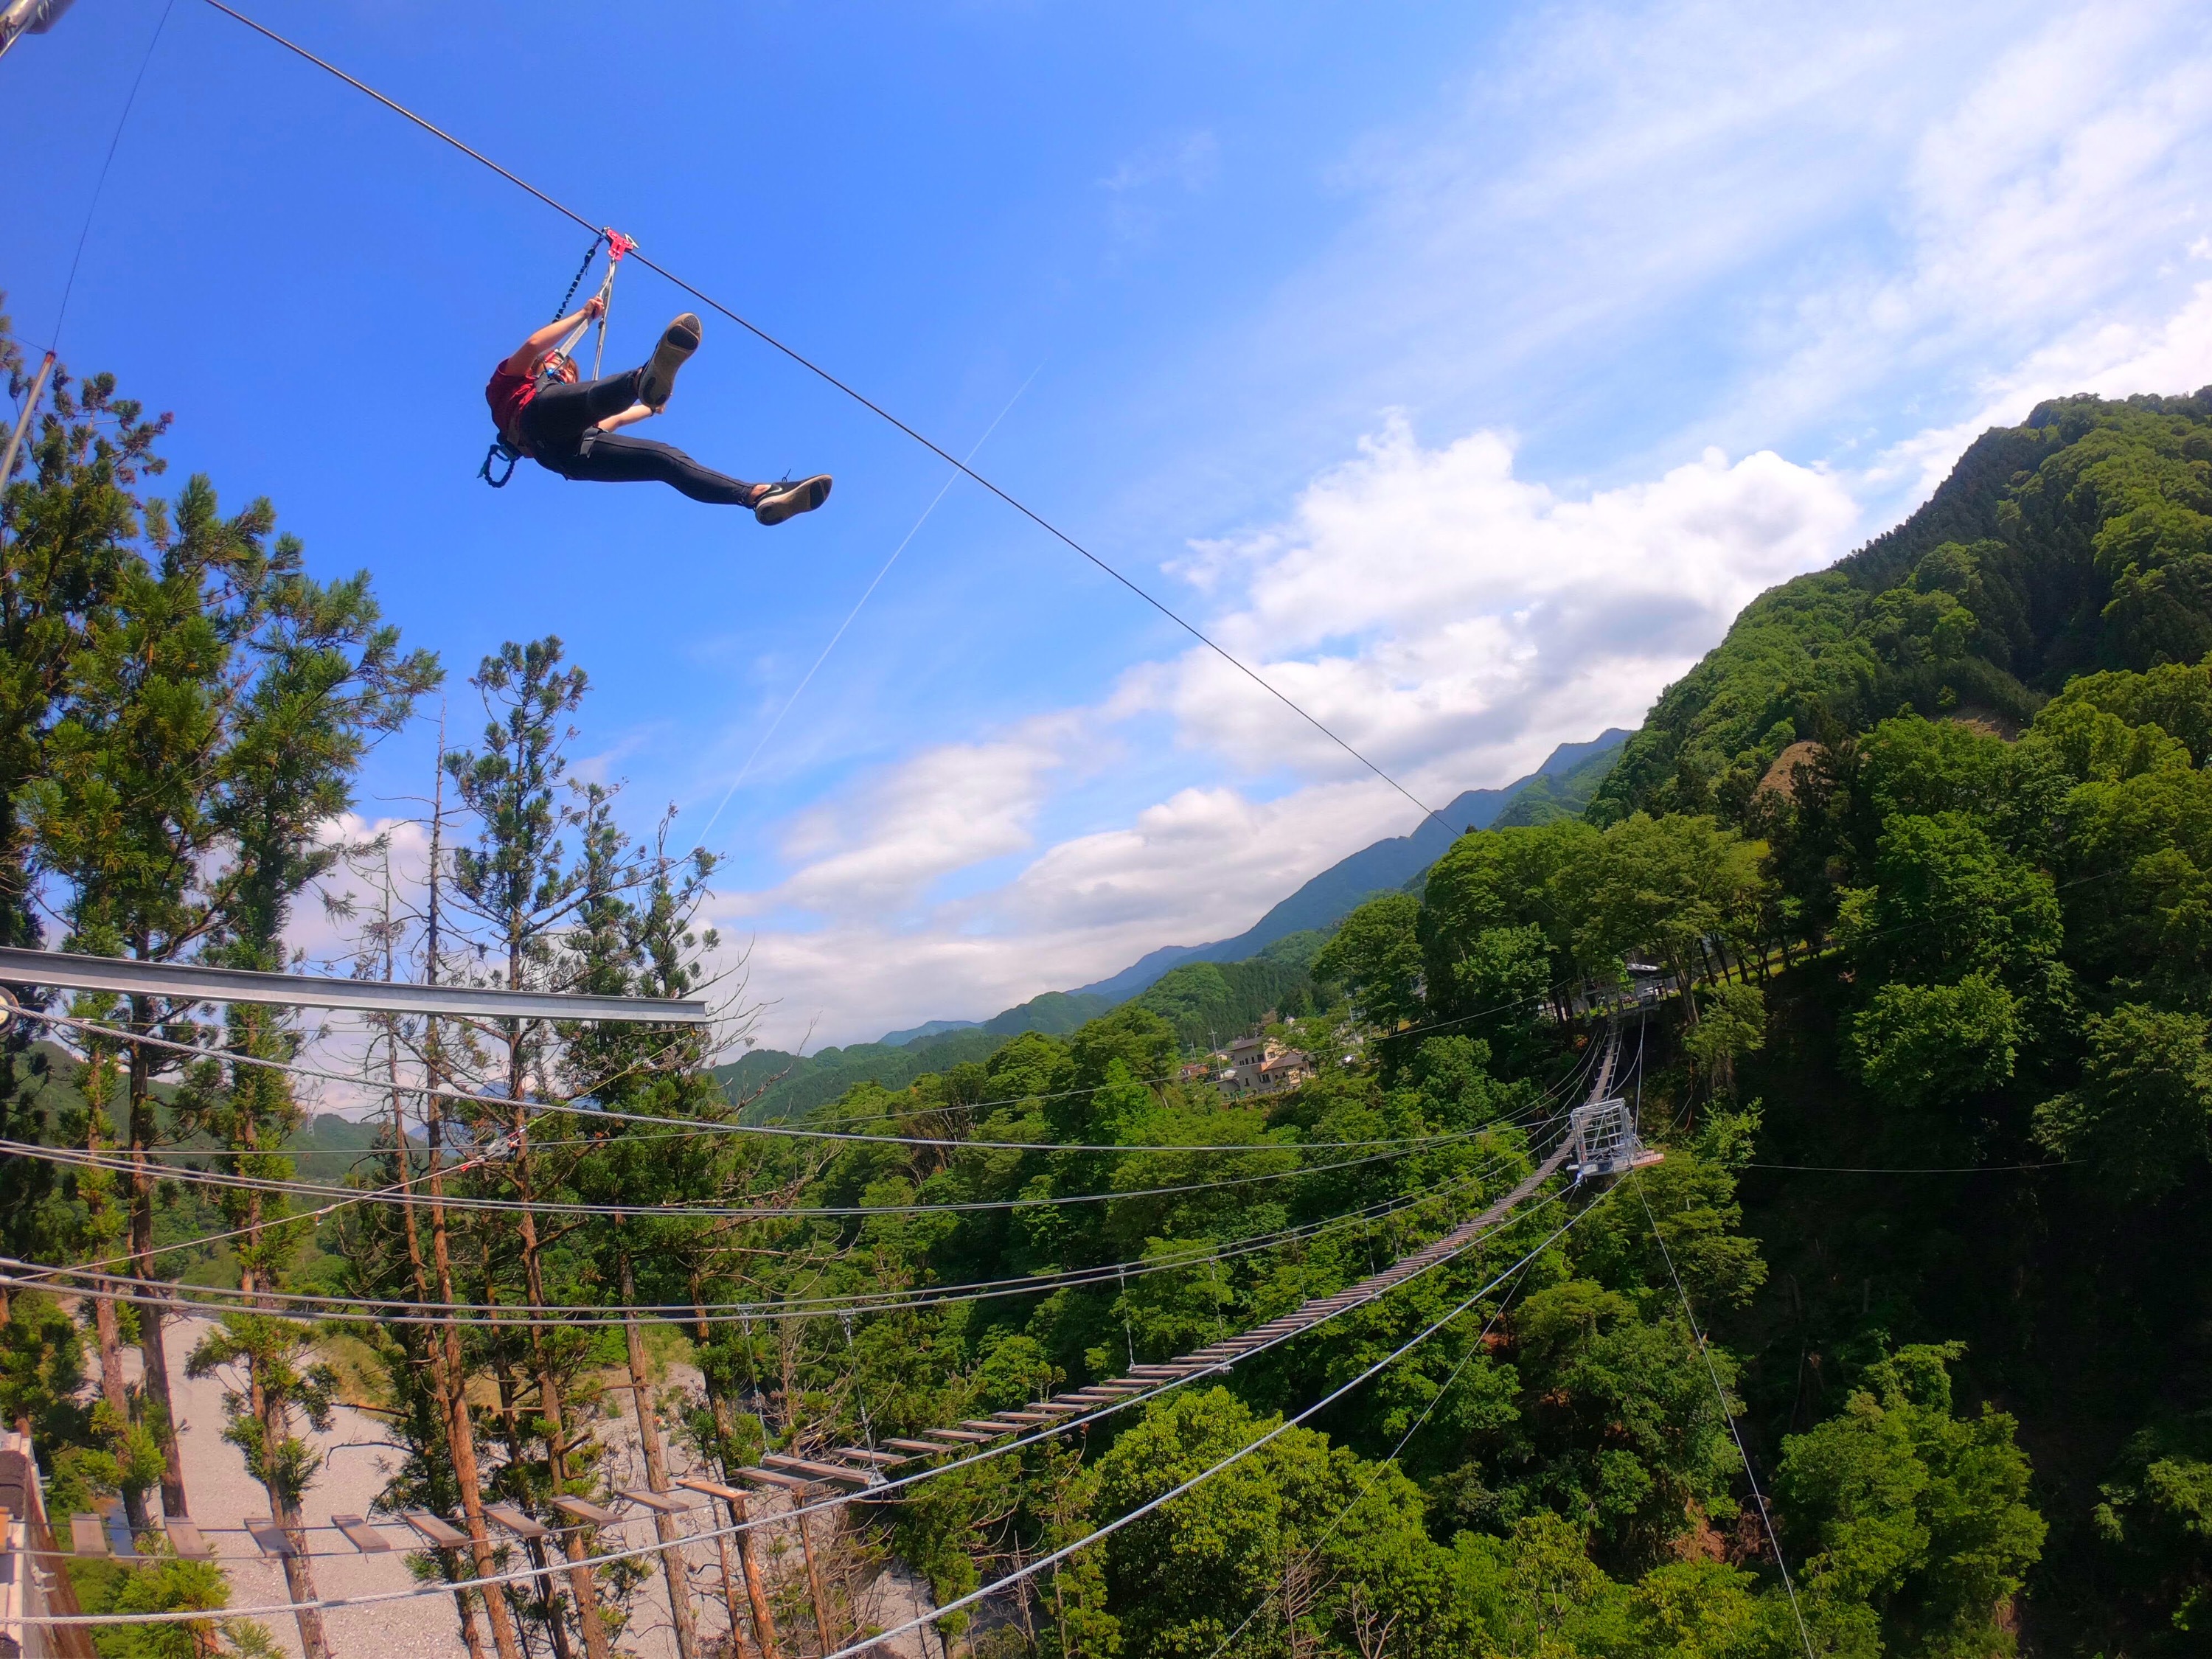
(1376, 956)
(1900, 1505)
(1948, 902)
(1495, 900)
(171, 1585)
(2156, 1519)
(1297, 1544)
(2176, 697)
(41, 1371)
(1549, 797)
(2075, 541)
(1209, 1003)
(1932, 1046)
(1663, 884)
(2139, 1116)
(286, 1387)
(1732, 1025)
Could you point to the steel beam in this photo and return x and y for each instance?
(186, 982)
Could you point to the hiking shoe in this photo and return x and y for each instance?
(659, 379)
(792, 497)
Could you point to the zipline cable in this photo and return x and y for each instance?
(866, 402)
(61, 312)
(579, 1108)
(1751, 1476)
(858, 605)
(312, 1308)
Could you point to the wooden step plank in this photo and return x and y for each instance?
(711, 1488)
(363, 1536)
(516, 1521)
(819, 1471)
(781, 1482)
(438, 1531)
(584, 1509)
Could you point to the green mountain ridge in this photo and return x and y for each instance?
(2077, 541)
(1207, 999)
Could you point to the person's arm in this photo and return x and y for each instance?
(526, 355)
(629, 416)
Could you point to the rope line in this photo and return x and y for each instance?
(92, 208)
(307, 1308)
(1704, 1352)
(580, 1109)
(858, 605)
(870, 1644)
(857, 396)
(836, 1500)
(120, 1164)
(1403, 1440)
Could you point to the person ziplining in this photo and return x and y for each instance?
(573, 426)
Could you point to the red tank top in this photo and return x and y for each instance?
(508, 396)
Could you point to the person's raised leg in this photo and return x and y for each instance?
(794, 497)
(657, 379)
(610, 458)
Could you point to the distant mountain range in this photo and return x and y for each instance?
(778, 1084)
(1558, 788)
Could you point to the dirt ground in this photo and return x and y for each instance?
(357, 1462)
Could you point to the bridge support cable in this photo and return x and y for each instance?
(306, 1308)
(1750, 1474)
(1144, 1384)
(1030, 1569)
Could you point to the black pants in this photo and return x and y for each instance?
(558, 426)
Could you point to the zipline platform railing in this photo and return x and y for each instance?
(192, 982)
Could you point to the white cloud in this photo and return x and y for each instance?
(1450, 619)
(1786, 234)
(2108, 359)
(1134, 212)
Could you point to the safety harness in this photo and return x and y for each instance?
(559, 364)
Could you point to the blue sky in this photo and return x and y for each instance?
(1467, 367)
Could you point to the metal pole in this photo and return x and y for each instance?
(30, 404)
(193, 981)
(28, 17)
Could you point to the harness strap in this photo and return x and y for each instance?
(500, 450)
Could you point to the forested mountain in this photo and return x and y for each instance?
(1206, 1004)
(1562, 786)
(1386, 864)
(2077, 541)
(1901, 1348)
